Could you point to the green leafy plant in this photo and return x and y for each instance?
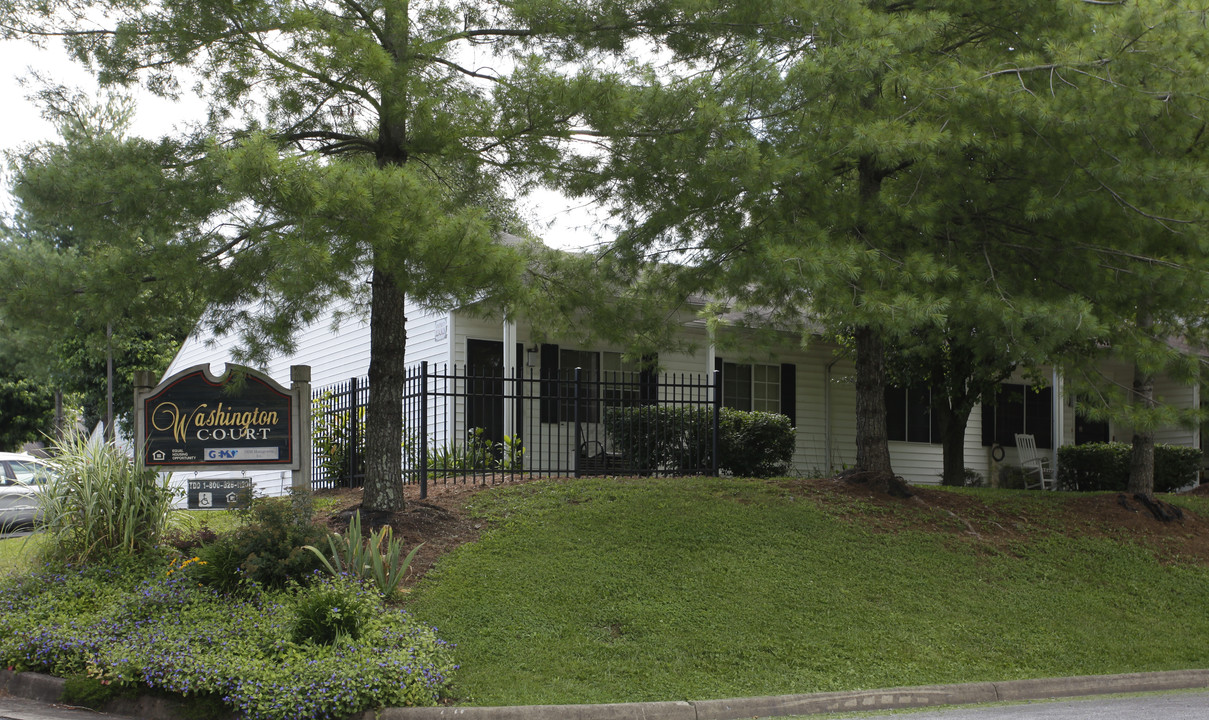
(658, 439)
(378, 558)
(267, 549)
(1105, 466)
(338, 439)
(88, 691)
(478, 453)
(98, 502)
(135, 627)
(331, 609)
(512, 452)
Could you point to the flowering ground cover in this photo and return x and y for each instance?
(147, 627)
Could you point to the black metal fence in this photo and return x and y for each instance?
(464, 425)
(338, 434)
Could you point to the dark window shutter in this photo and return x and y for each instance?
(934, 419)
(988, 422)
(789, 392)
(648, 380)
(549, 383)
(919, 414)
(1039, 416)
(896, 413)
(1009, 413)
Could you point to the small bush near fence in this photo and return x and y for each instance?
(650, 438)
(1105, 466)
(338, 445)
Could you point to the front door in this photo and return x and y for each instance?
(485, 389)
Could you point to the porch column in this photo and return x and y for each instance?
(1059, 413)
(510, 370)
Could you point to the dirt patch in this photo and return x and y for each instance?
(440, 521)
(1001, 520)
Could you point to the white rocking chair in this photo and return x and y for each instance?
(1035, 464)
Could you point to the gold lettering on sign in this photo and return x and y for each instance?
(225, 417)
(173, 420)
(167, 416)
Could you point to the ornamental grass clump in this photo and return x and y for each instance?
(377, 559)
(98, 503)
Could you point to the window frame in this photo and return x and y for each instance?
(754, 400)
(915, 422)
(1004, 417)
(628, 385)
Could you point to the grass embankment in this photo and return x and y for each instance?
(610, 591)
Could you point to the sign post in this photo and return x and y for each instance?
(240, 420)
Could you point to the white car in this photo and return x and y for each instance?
(21, 479)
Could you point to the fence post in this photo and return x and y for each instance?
(575, 436)
(423, 435)
(717, 417)
(354, 412)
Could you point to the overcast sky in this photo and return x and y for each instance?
(560, 222)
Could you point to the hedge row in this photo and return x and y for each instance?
(652, 438)
(1105, 466)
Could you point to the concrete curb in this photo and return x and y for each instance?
(32, 686)
(45, 688)
(821, 703)
(49, 689)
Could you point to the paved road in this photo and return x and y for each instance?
(1180, 705)
(15, 708)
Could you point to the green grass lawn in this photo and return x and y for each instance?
(19, 553)
(612, 591)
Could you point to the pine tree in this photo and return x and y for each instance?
(888, 167)
(357, 150)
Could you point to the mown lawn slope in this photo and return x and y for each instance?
(624, 590)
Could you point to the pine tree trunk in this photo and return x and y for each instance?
(953, 446)
(384, 415)
(872, 443)
(388, 310)
(1141, 463)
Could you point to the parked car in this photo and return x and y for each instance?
(21, 479)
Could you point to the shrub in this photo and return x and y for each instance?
(186, 540)
(222, 565)
(268, 549)
(972, 478)
(98, 503)
(1013, 477)
(331, 609)
(341, 458)
(1105, 466)
(653, 438)
(756, 444)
